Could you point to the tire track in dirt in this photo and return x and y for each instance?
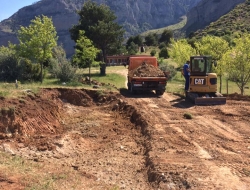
(198, 153)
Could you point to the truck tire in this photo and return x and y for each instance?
(129, 86)
(159, 92)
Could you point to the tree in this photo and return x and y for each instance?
(133, 49)
(151, 39)
(136, 39)
(237, 62)
(180, 51)
(60, 67)
(153, 52)
(166, 36)
(216, 47)
(98, 22)
(8, 64)
(164, 53)
(85, 52)
(37, 40)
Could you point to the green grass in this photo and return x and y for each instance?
(114, 78)
(113, 75)
(177, 86)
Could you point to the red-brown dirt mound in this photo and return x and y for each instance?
(146, 70)
(236, 96)
(41, 114)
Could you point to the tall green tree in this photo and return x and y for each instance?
(151, 39)
(237, 62)
(98, 22)
(85, 52)
(138, 40)
(133, 48)
(37, 41)
(166, 36)
(216, 47)
(180, 51)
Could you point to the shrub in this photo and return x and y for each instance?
(153, 52)
(164, 53)
(188, 116)
(168, 68)
(162, 45)
(66, 71)
(29, 71)
(9, 68)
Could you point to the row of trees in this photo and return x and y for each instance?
(36, 43)
(96, 35)
(233, 61)
(151, 39)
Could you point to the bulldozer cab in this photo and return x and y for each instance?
(200, 65)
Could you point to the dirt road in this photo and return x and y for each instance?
(210, 151)
(99, 140)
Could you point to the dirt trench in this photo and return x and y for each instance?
(107, 140)
(94, 134)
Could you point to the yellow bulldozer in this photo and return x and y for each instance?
(203, 82)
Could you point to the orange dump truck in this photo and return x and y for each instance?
(144, 75)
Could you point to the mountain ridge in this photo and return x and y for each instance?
(135, 16)
(200, 16)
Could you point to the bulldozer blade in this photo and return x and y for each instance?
(210, 100)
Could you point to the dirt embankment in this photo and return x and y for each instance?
(103, 140)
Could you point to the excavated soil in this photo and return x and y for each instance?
(146, 70)
(106, 140)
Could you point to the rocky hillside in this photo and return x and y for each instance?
(231, 24)
(136, 16)
(208, 11)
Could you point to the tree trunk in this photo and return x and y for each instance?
(41, 74)
(104, 55)
(89, 72)
(220, 83)
(242, 89)
(227, 86)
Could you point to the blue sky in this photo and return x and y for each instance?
(9, 7)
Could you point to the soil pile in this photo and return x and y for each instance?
(146, 70)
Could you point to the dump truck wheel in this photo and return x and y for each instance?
(129, 86)
(159, 92)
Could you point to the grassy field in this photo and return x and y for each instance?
(177, 86)
(114, 79)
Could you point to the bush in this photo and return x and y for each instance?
(166, 67)
(164, 53)
(162, 45)
(153, 52)
(29, 71)
(9, 68)
(188, 116)
(64, 71)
